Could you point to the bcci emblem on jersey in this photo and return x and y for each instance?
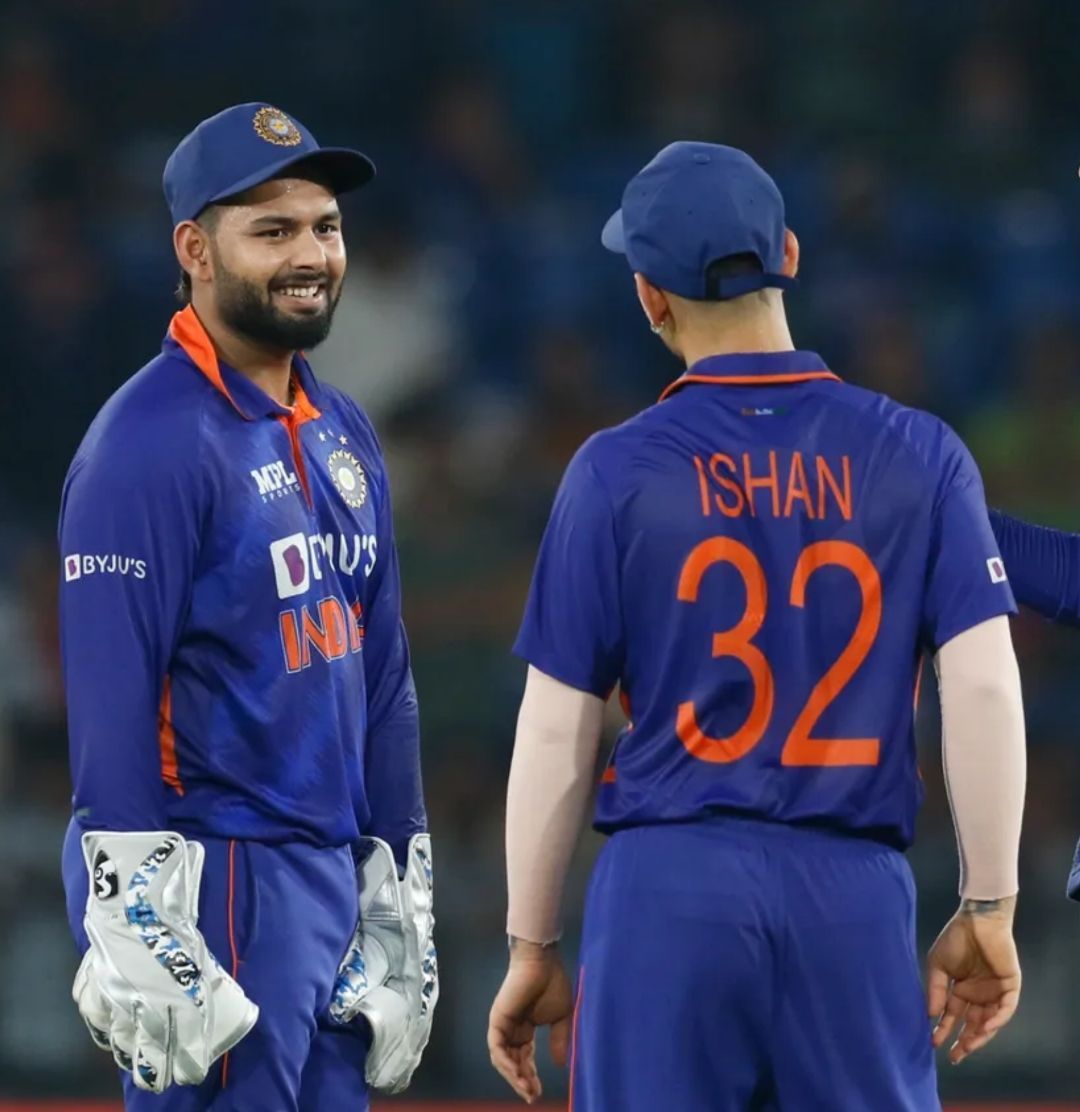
(348, 478)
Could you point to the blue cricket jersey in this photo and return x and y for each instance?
(759, 561)
(233, 651)
(1043, 566)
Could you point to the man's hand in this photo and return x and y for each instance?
(535, 993)
(973, 976)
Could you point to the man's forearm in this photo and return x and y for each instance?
(984, 758)
(551, 778)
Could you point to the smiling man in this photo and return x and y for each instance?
(242, 715)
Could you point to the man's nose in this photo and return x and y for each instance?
(309, 253)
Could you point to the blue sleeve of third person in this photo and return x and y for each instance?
(1043, 566)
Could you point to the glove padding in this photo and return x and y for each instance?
(148, 988)
(390, 973)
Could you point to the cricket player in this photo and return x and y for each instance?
(1044, 568)
(758, 562)
(248, 872)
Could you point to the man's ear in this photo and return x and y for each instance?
(191, 242)
(791, 254)
(654, 302)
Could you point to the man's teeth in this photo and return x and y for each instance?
(301, 291)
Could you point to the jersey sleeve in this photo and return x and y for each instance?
(129, 537)
(395, 792)
(1043, 566)
(572, 629)
(966, 581)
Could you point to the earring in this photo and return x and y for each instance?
(658, 328)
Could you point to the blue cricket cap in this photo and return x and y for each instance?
(244, 146)
(693, 204)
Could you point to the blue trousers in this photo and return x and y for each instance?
(279, 919)
(739, 965)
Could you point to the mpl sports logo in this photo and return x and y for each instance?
(76, 566)
(301, 559)
(275, 480)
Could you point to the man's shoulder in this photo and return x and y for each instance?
(153, 416)
(928, 439)
(610, 449)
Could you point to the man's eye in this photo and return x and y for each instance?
(273, 233)
(328, 229)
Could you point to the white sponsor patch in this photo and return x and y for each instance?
(77, 565)
(275, 480)
(301, 559)
(997, 569)
(292, 569)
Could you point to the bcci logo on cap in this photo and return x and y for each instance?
(275, 127)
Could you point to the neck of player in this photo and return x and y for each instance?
(742, 333)
(269, 368)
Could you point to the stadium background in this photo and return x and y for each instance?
(928, 153)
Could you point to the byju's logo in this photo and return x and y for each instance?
(275, 480)
(302, 558)
(76, 566)
(292, 572)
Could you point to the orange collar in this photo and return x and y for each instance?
(759, 368)
(186, 330)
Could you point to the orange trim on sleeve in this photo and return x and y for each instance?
(170, 770)
(609, 775)
(746, 380)
(187, 330)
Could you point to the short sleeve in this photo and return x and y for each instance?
(966, 581)
(572, 629)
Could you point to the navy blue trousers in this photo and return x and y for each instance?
(739, 965)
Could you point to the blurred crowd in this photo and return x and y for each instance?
(928, 153)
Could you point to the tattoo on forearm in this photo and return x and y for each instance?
(981, 907)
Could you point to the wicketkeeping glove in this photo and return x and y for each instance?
(148, 988)
(390, 974)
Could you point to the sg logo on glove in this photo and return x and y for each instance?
(106, 878)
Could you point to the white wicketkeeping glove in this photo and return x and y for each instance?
(148, 988)
(390, 974)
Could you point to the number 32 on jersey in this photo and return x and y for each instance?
(800, 748)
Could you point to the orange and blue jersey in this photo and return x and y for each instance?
(234, 655)
(759, 562)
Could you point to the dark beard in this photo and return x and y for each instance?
(247, 309)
